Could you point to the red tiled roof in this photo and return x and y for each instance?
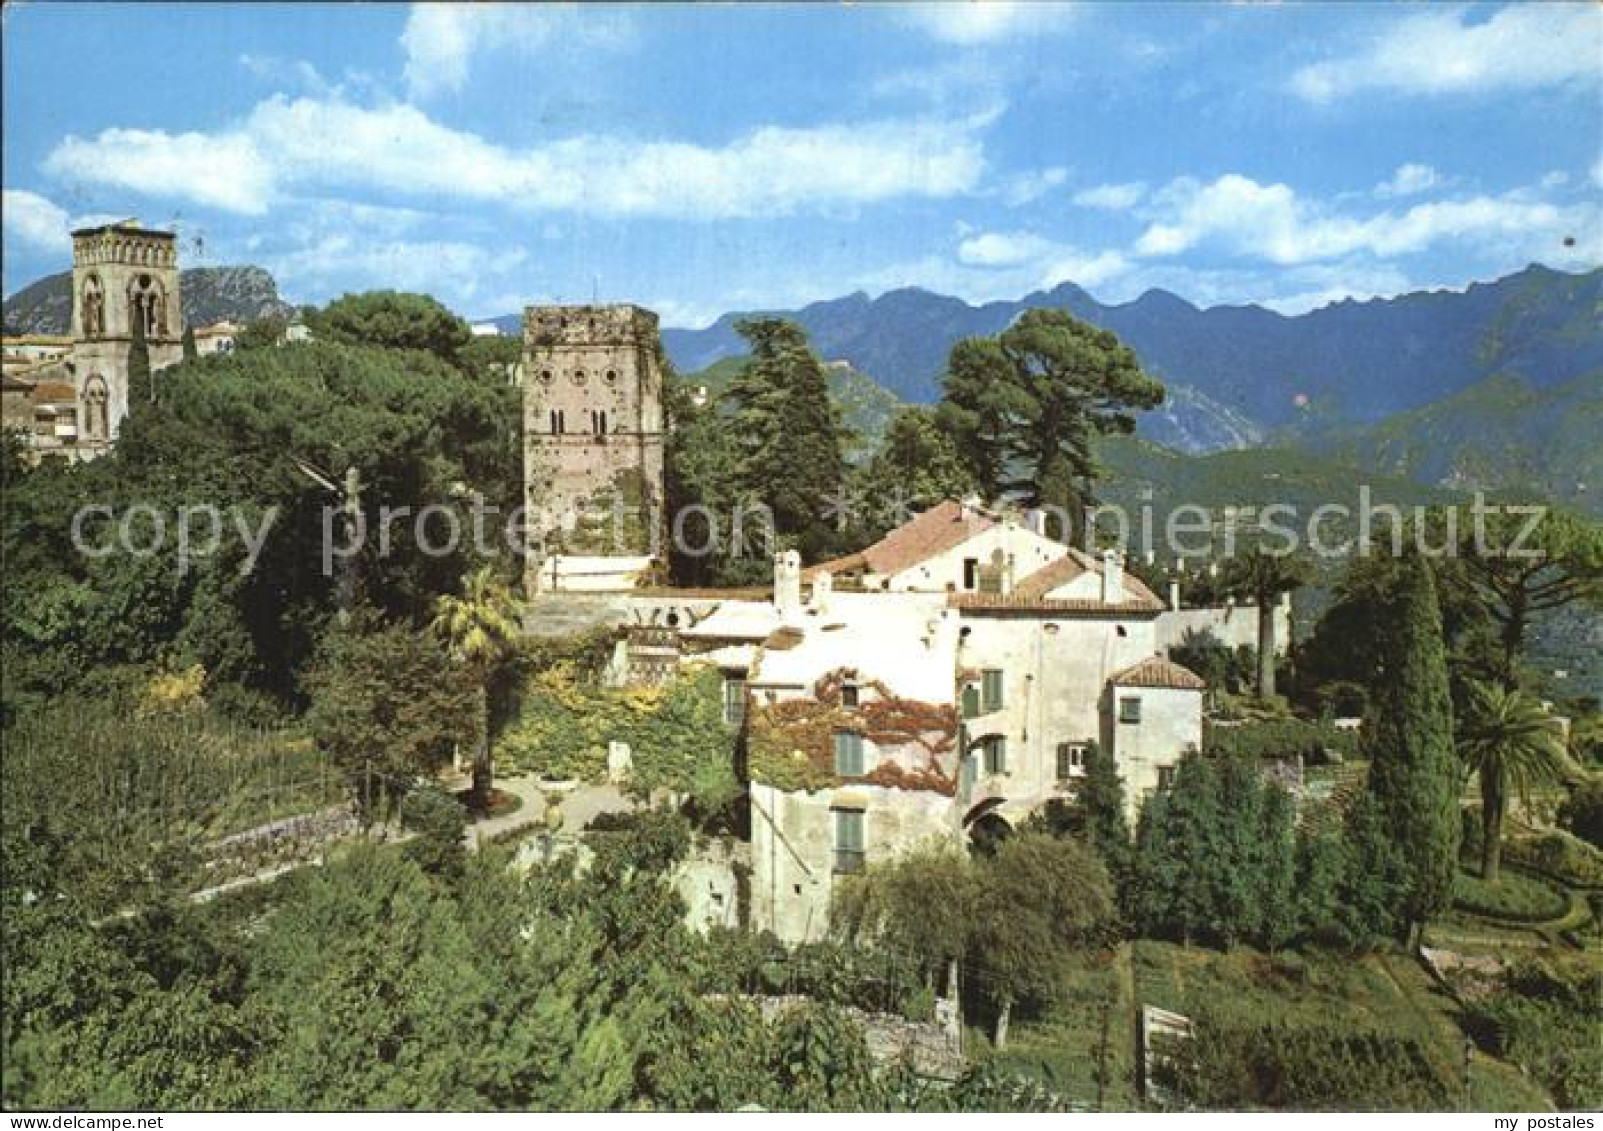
(1076, 562)
(1155, 671)
(995, 602)
(54, 391)
(937, 530)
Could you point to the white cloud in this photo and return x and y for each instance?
(1114, 198)
(454, 271)
(311, 143)
(1025, 188)
(33, 220)
(441, 39)
(223, 170)
(1270, 222)
(970, 22)
(1437, 52)
(1002, 249)
(1034, 261)
(1408, 180)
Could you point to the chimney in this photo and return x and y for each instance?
(787, 584)
(1174, 595)
(1009, 572)
(823, 588)
(1112, 578)
(1035, 521)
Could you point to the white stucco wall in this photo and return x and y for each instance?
(944, 571)
(1234, 625)
(1055, 675)
(793, 877)
(1171, 722)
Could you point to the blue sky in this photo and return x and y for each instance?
(700, 159)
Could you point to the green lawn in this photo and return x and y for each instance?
(1386, 993)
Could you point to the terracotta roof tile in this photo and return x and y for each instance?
(1132, 605)
(933, 532)
(54, 391)
(1156, 671)
(1049, 577)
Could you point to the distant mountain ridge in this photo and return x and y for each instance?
(210, 294)
(1237, 372)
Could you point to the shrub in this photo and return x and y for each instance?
(1514, 897)
(1283, 738)
(1582, 811)
(1536, 1019)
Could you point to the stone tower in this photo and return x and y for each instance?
(593, 428)
(120, 273)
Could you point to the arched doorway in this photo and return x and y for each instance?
(986, 827)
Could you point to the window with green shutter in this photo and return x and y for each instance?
(994, 750)
(848, 754)
(1130, 709)
(850, 854)
(971, 701)
(991, 694)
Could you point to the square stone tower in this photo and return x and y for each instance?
(593, 429)
(120, 273)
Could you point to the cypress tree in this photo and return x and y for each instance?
(191, 350)
(139, 374)
(1413, 772)
(1193, 846)
(789, 432)
(1102, 810)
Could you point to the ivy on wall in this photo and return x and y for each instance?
(676, 733)
(791, 744)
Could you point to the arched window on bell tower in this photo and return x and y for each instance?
(92, 308)
(97, 422)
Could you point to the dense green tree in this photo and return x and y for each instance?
(922, 904)
(1518, 574)
(788, 434)
(238, 433)
(1101, 802)
(393, 319)
(703, 492)
(389, 705)
(480, 629)
(1338, 654)
(916, 467)
(1262, 577)
(1039, 897)
(1413, 773)
(1028, 406)
(1511, 744)
(191, 351)
(262, 333)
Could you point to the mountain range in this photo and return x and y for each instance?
(1237, 374)
(210, 294)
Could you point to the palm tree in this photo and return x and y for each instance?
(1511, 741)
(480, 628)
(1262, 577)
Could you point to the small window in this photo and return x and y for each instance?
(971, 701)
(612, 377)
(849, 851)
(578, 377)
(1129, 708)
(993, 752)
(545, 376)
(971, 573)
(848, 695)
(848, 754)
(734, 701)
(991, 689)
(1071, 760)
(1165, 778)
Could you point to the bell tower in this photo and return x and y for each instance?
(124, 278)
(593, 429)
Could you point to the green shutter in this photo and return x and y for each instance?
(848, 754)
(971, 701)
(996, 754)
(992, 680)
